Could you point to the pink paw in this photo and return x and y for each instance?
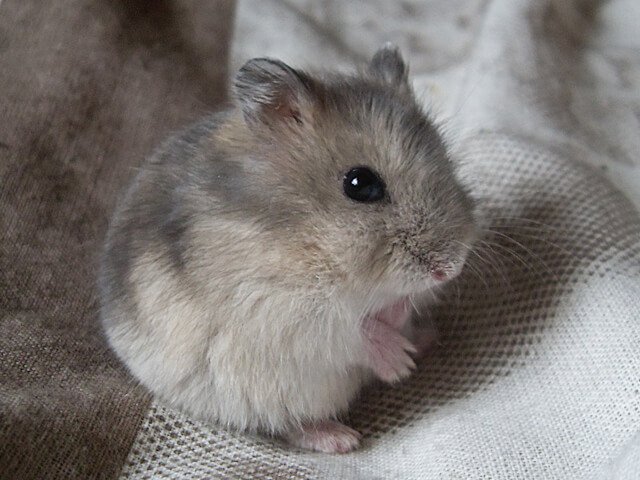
(328, 436)
(388, 351)
(395, 315)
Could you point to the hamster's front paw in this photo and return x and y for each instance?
(389, 352)
(395, 315)
(328, 436)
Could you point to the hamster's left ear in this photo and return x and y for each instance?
(271, 92)
(388, 66)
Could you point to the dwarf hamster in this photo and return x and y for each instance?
(261, 267)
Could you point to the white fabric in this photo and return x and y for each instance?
(537, 374)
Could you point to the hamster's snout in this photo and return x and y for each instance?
(440, 260)
(441, 266)
(440, 275)
(460, 249)
(442, 271)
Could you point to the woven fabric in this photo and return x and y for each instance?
(535, 374)
(88, 88)
(171, 445)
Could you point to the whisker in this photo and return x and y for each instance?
(414, 306)
(492, 266)
(549, 242)
(529, 251)
(498, 257)
(523, 219)
(479, 257)
(478, 273)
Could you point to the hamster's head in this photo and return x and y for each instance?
(358, 177)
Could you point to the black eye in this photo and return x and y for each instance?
(363, 185)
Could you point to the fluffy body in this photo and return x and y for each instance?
(240, 284)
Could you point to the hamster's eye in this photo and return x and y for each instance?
(363, 185)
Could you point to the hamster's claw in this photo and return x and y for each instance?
(389, 352)
(328, 436)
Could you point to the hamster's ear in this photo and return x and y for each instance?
(388, 66)
(270, 91)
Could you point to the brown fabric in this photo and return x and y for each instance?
(87, 89)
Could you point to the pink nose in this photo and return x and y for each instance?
(439, 275)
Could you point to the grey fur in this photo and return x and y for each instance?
(235, 249)
(387, 65)
(264, 85)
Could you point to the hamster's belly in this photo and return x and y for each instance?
(271, 386)
(235, 377)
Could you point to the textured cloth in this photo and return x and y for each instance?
(535, 374)
(88, 88)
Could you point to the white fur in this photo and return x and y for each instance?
(265, 359)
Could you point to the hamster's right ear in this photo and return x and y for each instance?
(269, 91)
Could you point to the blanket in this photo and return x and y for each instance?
(535, 374)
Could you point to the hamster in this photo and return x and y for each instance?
(263, 264)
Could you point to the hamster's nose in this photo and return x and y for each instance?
(439, 275)
(445, 271)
